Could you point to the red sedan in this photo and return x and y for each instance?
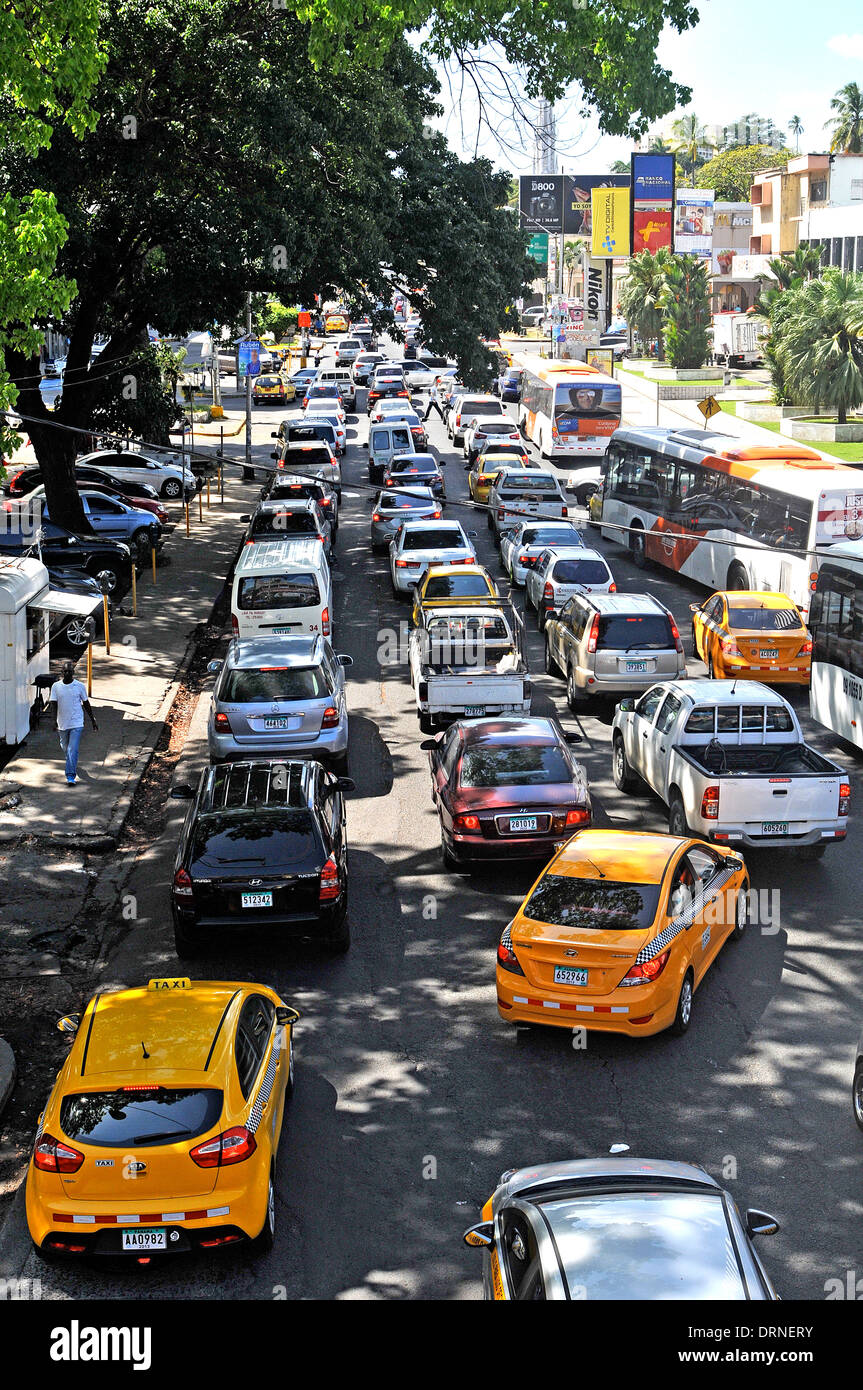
(506, 789)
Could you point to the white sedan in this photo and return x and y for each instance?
(482, 427)
(423, 378)
(170, 479)
(418, 544)
(521, 547)
(323, 415)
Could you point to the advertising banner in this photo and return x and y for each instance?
(578, 203)
(721, 262)
(602, 359)
(248, 357)
(693, 221)
(540, 202)
(610, 218)
(594, 293)
(652, 180)
(651, 228)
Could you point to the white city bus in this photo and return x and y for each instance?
(728, 516)
(836, 625)
(569, 411)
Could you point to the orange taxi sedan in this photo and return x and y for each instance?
(619, 931)
(747, 632)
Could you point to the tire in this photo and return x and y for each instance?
(637, 551)
(339, 943)
(426, 724)
(140, 540)
(857, 1094)
(446, 857)
(624, 778)
(677, 818)
(172, 489)
(551, 666)
(527, 599)
(711, 671)
(574, 697)
(584, 493)
(290, 1084)
(263, 1243)
(340, 764)
(75, 634)
(186, 941)
(683, 1017)
(741, 914)
(111, 576)
(540, 620)
(737, 577)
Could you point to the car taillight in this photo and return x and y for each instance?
(500, 513)
(548, 592)
(376, 516)
(435, 516)
(650, 970)
(235, 626)
(325, 622)
(710, 804)
(507, 960)
(577, 817)
(676, 635)
(806, 649)
(729, 646)
(564, 511)
(233, 1145)
(612, 589)
(594, 634)
(402, 564)
(469, 823)
(330, 719)
(844, 798)
(330, 886)
(182, 884)
(222, 722)
(524, 559)
(52, 1156)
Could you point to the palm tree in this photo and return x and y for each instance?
(685, 304)
(848, 121)
(790, 271)
(821, 342)
(641, 292)
(620, 166)
(795, 125)
(690, 137)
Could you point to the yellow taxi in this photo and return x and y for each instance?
(273, 387)
(443, 585)
(160, 1134)
(483, 472)
(618, 932)
(744, 632)
(336, 322)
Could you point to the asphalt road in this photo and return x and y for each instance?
(412, 1096)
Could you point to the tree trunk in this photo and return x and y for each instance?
(841, 415)
(55, 448)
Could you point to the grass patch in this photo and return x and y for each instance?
(848, 453)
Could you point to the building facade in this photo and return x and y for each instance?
(816, 200)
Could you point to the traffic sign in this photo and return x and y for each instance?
(709, 407)
(538, 248)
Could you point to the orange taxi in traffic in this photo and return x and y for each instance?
(746, 632)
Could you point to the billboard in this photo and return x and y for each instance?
(540, 202)
(594, 293)
(693, 221)
(577, 199)
(248, 357)
(610, 226)
(652, 202)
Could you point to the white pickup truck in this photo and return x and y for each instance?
(468, 662)
(729, 760)
(523, 494)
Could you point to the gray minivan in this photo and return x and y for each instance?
(612, 644)
(384, 442)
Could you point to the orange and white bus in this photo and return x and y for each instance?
(728, 516)
(569, 410)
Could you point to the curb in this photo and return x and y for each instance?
(8, 1073)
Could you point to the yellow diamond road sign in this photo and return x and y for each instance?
(708, 407)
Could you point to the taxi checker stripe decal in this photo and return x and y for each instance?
(141, 1220)
(266, 1087)
(571, 1008)
(679, 924)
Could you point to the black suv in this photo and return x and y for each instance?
(62, 549)
(263, 844)
(287, 487)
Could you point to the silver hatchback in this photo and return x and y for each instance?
(279, 697)
(393, 507)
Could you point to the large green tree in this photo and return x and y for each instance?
(847, 124)
(731, 172)
(820, 342)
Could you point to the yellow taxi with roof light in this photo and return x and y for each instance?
(746, 633)
(485, 469)
(443, 585)
(160, 1134)
(619, 931)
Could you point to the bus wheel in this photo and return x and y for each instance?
(737, 577)
(637, 551)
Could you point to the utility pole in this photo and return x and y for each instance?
(248, 470)
(214, 365)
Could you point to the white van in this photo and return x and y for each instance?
(342, 379)
(282, 589)
(384, 442)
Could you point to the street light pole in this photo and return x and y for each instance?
(248, 470)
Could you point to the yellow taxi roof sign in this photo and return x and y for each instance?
(175, 982)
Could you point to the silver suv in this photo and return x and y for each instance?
(612, 644)
(282, 697)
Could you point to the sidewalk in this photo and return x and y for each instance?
(133, 689)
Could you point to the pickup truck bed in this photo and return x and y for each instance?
(788, 760)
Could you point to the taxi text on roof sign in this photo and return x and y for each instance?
(179, 982)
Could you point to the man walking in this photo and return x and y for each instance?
(68, 702)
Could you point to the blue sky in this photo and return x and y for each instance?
(776, 59)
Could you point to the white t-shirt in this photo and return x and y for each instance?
(70, 701)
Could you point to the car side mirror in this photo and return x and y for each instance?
(70, 1023)
(441, 463)
(345, 660)
(573, 738)
(734, 863)
(761, 1223)
(365, 444)
(274, 454)
(182, 792)
(245, 517)
(695, 607)
(627, 705)
(274, 434)
(430, 745)
(347, 784)
(471, 535)
(213, 667)
(286, 1015)
(480, 1236)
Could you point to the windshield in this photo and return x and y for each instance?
(434, 540)
(242, 687)
(763, 619)
(580, 572)
(643, 632)
(278, 591)
(513, 767)
(116, 1119)
(457, 586)
(514, 486)
(593, 904)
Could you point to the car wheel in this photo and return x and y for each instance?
(637, 551)
(263, 1243)
(711, 670)
(447, 858)
(110, 578)
(857, 1094)
(737, 578)
(677, 818)
(808, 853)
(574, 697)
(426, 724)
(584, 493)
(141, 541)
(172, 488)
(528, 602)
(540, 620)
(290, 1083)
(741, 914)
(683, 1017)
(339, 943)
(340, 764)
(624, 778)
(551, 666)
(77, 633)
(186, 941)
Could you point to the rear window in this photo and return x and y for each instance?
(162, 1115)
(269, 381)
(478, 405)
(509, 767)
(764, 619)
(298, 434)
(398, 502)
(515, 486)
(270, 839)
(496, 427)
(456, 586)
(644, 632)
(278, 591)
(580, 572)
(286, 683)
(593, 904)
(433, 540)
(285, 523)
(550, 535)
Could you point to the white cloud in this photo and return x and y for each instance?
(847, 45)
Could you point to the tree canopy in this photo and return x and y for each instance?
(731, 172)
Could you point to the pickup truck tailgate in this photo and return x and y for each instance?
(793, 801)
(466, 691)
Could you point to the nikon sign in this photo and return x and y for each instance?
(594, 294)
